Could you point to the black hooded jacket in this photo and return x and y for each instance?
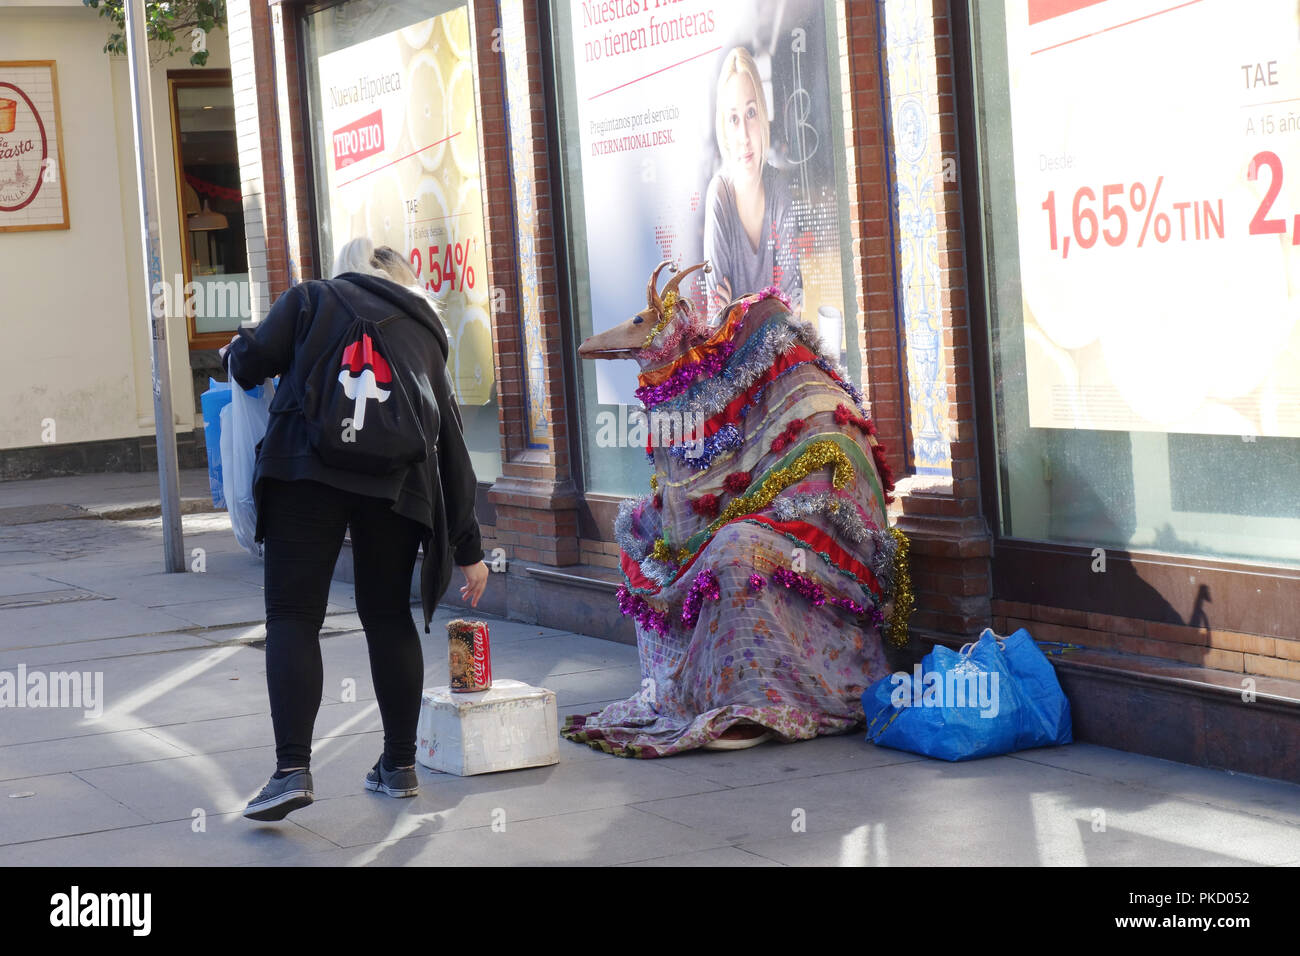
(439, 492)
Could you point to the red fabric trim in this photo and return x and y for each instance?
(821, 541)
(635, 576)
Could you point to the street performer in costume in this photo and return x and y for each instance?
(760, 569)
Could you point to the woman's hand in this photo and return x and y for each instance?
(476, 576)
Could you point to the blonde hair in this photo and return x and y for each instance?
(361, 255)
(740, 62)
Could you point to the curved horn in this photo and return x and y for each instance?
(676, 280)
(652, 287)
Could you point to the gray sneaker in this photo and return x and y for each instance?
(397, 783)
(281, 797)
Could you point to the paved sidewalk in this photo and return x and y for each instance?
(185, 739)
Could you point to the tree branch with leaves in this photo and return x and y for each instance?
(172, 27)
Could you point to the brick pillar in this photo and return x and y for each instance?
(264, 73)
(535, 498)
(870, 194)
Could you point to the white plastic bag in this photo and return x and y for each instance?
(243, 423)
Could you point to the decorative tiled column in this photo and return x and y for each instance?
(535, 498)
(939, 503)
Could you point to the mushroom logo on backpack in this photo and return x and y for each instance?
(344, 428)
(364, 375)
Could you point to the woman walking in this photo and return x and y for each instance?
(304, 505)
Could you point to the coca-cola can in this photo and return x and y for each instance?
(469, 656)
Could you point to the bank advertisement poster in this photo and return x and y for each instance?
(1157, 169)
(402, 167)
(705, 133)
(32, 192)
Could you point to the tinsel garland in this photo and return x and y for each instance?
(704, 585)
(757, 398)
(904, 599)
(737, 481)
(882, 559)
(840, 379)
(756, 582)
(646, 615)
(788, 434)
(842, 514)
(724, 439)
(667, 308)
(661, 552)
(752, 359)
(692, 326)
(844, 415)
(680, 380)
(818, 455)
(706, 506)
(816, 595)
(631, 512)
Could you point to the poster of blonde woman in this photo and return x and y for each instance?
(706, 132)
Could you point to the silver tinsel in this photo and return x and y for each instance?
(845, 519)
(848, 523)
(638, 542)
(635, 545)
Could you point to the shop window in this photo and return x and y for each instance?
(393, 115)
(1144, 335)
(214, 254)
(690, 131)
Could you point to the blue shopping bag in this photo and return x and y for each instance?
(993, 697)
(213, 401)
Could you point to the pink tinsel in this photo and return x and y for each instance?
(680, 380)
(649, 618)
(704, 585)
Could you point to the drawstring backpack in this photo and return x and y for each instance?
(358, 412)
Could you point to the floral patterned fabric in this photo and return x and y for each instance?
(795, 489)
(764, 656)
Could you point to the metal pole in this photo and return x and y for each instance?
(137, 51)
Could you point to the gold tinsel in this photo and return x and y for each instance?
(818, 455)
(665, 316)
(904, 599)
(654, 482)
(661, 552)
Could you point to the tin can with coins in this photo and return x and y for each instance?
(469, 656)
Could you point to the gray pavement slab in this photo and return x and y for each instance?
(600, 837)
(59, 805)
(86, 653)
(224, 840)
(87, 752)
(447, 802)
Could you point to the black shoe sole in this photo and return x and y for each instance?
(289, 802)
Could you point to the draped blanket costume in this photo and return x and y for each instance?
(761, 570)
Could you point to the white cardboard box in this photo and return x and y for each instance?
(509, 726)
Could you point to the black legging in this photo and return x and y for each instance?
(303, 527)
